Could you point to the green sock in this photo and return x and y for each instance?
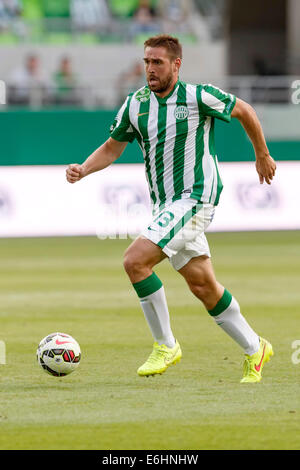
(222, 305)
(228, 316)
(148, 286)
(154, 305)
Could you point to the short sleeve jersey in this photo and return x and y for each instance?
(176, 136)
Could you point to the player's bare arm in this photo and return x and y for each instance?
(265, 165)
(101, 158)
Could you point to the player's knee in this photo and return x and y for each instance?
(128, 263)
(132, 263)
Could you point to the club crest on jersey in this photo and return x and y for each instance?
(143, 95)
(181, 112)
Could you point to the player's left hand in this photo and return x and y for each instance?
(265, 167)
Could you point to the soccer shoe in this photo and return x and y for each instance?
(160, 359)
(253, 364)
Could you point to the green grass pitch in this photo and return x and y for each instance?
(78, 286)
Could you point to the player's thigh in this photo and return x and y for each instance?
(199, 271)
(143, 251)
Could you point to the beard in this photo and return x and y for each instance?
(160, 85)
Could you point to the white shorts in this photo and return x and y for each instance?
(178, 229)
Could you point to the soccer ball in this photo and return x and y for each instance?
(58, 354)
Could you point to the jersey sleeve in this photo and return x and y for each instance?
(121, 128)
(215, 102)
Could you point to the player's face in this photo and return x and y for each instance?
(161, 70)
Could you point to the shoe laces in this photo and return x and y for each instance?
(156, 355)
(247, 366)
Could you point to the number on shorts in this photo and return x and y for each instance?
(164, 218)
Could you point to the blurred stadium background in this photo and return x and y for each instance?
(65, 68)
(67, 65)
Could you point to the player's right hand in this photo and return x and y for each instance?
(74, 173)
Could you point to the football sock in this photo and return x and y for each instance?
(228, 316)
(154, 305)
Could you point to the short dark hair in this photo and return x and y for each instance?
(171, 44)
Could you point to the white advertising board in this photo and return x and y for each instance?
(38, 201)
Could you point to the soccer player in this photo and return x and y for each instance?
(173, 123)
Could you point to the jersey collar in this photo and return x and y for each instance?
(163, 100)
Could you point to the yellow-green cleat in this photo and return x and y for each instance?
(253, 364)
(160, 359)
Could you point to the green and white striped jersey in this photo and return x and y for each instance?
(176, 136)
